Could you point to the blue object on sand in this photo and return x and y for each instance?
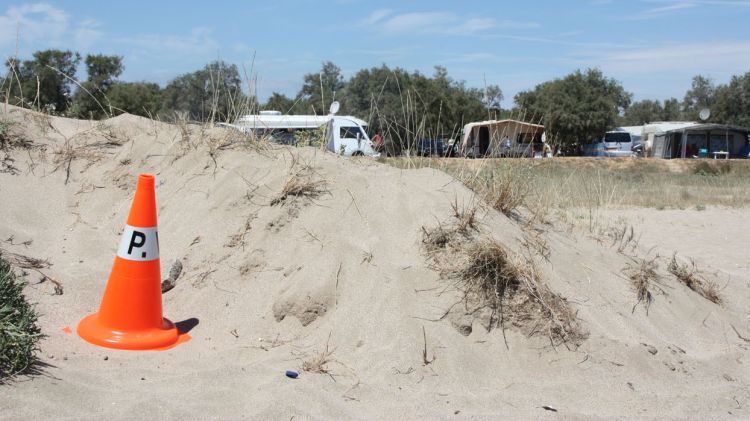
(292, 374)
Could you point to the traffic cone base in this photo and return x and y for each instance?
(92, 330)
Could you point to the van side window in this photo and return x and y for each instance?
(350, 133)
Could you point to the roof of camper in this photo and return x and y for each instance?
(678, 126)
(501, 123)
(290, 121)
(713, 126)
(637, 130)
(667, 126)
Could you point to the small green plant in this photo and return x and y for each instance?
(19, 333)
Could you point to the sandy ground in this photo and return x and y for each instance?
(265, 288)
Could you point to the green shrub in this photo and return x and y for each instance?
(19, 333)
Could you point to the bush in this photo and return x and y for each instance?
(19, 333)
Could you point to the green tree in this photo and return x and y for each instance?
(43, 82)
(577, 108)
(138, 98)
(643, 112)
(732, 102)
(90, 101)
(672, 110)
(701, 95)
(280, 102)
(213, 93)
(493, 97)
(407, 107)
(320, 89)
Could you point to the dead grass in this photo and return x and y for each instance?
(11, 138)
(454, 233)
(642, 273)
(319, 361)
(503, 289)
(510, 286)
(303, 182)
(466, 217)
(598, 183)
(297, 186)
(691, 277)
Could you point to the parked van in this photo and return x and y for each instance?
(344, 135)
(622, 141)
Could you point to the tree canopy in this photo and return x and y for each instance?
(213, 93)
(577, 108)
(90, 101)
(44, 82)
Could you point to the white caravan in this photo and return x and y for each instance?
(344, 135)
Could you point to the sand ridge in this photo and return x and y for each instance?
(270, 285)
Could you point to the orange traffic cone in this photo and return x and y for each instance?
(130, 315)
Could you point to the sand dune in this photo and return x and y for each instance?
(267, 287)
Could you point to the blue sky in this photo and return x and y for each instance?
(653, 47)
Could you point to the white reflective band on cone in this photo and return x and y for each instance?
(139, 244)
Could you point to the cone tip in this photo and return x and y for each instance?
(146, 180)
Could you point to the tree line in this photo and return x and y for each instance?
(575, 109)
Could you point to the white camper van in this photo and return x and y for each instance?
(344, 135)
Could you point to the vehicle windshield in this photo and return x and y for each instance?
(617, 137)
(350, 132)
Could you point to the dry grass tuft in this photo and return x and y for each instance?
(297, 186)
(502, 288)
(454, 233)
(11, 138)
(505, 190)
(642, 273)
(304, 182)
(466, 217)
(691, 277)
(318, 362)
(510, 287)
(438, 238)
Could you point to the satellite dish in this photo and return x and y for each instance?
(334, 107)
(705, 114)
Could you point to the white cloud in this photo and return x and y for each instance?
(87, 34)
(694, 58)
(41, 26)
(33, 23)
(671, 6)
(386, 22)
(376, 16)
(198, 43)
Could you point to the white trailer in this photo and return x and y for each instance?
(344, 135)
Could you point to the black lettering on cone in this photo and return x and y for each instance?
(133, 243)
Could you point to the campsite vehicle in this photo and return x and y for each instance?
(622, 141)
(344, 135)
(502, 138)
(427, 147)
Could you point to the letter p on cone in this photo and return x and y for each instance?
(130, 314)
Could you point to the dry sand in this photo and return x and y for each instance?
(270, 286)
